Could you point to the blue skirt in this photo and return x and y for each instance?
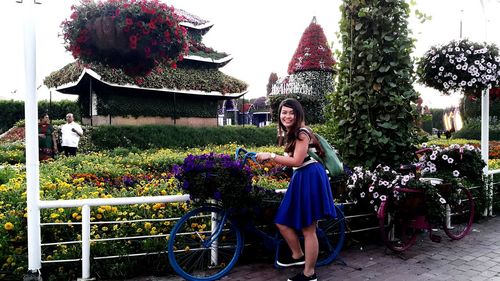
(308, 198)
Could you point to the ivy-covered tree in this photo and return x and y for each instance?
(311, 75)
(372, 106)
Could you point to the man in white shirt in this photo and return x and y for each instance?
(71, 133)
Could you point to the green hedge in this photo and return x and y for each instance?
(472, 130)
(12, 111)
(161, 136)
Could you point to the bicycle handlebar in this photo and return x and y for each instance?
(243, 153)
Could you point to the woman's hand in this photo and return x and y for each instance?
(263, 156)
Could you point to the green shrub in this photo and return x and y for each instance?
(158, 136)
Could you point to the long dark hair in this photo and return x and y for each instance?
(292, 134)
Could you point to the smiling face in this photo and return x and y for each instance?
(291, 115)
(287, 116)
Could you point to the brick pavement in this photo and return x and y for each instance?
(476, 257)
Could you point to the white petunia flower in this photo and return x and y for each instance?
(456, 173)
(442, 200)
(450, 160)
(362, 195)
(445, 157)
(383, 197)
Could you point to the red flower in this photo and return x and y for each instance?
(129, 21)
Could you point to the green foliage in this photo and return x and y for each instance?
(12, 153)
(437, 118)
(156, 136)
(372, 103)
(128, 103)
(181, 78)
(13, 111)
(10, 112)
(472, 130)
(470, 108)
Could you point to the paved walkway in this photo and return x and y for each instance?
(476, 257)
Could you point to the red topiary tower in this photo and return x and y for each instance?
(313, 52)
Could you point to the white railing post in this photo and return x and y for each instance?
(485, 137)
(31, 132)
(85, 243)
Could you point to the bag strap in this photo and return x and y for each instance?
(315, 142)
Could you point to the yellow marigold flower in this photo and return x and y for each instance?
(147, 225)
(100, 210)
(98, 216)
(74, 215)
(60, 210)
(54, 216)
(8, 226)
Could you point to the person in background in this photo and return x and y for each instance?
(308, 197)
(71, 133)
(47, 145)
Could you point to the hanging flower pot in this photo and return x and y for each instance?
(463, 66)
(107, 36)
(125, 33)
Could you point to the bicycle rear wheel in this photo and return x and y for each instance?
(204, 244)
(331, 236)
(460, 212)
(396, 229)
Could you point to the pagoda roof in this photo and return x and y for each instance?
(192, 21)
(202, 82)
(220, 62)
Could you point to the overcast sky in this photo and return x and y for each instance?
(261, 36)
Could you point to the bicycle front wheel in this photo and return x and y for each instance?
(459, 212)
(397, 230)
(331, 236)
(204, 244)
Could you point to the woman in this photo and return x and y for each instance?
(308, 197)
(46, 139)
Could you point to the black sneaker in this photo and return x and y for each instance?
(302, 277)
(290, 261)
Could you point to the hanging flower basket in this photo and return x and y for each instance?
(135, 35)
(463, 66)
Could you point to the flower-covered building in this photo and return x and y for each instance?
(311, 74)
(183, 88)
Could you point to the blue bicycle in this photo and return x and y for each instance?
(206, 242)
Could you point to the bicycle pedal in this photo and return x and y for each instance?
(435, 238)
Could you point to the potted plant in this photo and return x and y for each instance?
(463, 66)
(216, 177)
(131, 34)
